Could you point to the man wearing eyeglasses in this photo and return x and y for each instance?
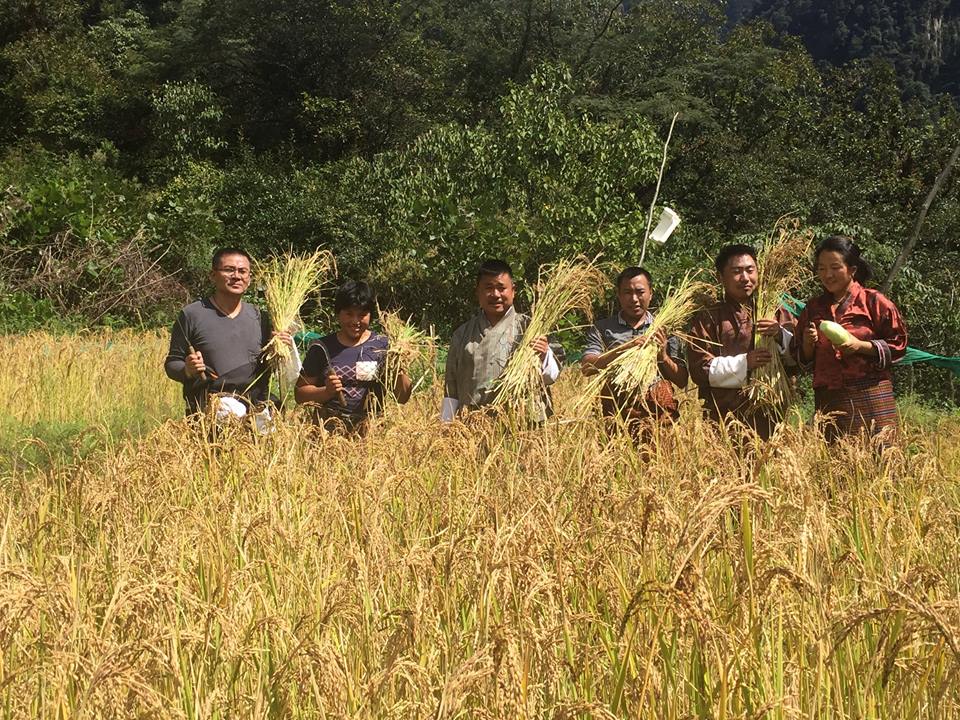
(216, 343)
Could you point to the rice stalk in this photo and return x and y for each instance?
(781, 267)
(434, 571)
(408, 348)
(568, 286)
(632, 372)
(287, 281)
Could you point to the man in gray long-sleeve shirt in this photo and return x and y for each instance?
(216, 343)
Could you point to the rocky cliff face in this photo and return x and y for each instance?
(921, 39)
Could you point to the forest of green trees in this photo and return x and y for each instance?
(413, 137)
(919, 38)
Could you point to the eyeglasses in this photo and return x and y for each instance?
(239, 272)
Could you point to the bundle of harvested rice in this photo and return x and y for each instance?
(634, 370)
(564, 287)
(409, 349)
(781, 267)
(287, 281)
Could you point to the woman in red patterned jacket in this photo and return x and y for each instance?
(852, 380)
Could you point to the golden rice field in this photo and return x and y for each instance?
(435, 573)
(63, 394)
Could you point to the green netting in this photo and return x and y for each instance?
(303, 339)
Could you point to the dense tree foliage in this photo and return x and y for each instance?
(414, 137)
(920, 39)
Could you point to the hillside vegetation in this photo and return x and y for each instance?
(414, 138)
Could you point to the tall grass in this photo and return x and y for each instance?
(410, 351)
(438, 572)
(287, 281)
(91, 377)
(81, 388)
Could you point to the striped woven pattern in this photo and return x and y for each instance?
(861, 407)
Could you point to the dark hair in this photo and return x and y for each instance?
(631, 272)
(354, 293)
(850, 253)
(220, 253)
(492, 268)
(727, 252)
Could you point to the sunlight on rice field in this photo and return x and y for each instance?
(63, 395)
(441, 572)
(91, 378)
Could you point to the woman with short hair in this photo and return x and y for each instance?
(343, 372)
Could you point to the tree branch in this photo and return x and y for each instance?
(656, 193)
(596, 38)
(521, 53)
(924, 209)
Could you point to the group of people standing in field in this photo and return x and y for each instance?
(851, 382)
(216, 348)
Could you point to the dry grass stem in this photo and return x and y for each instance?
(410, 349)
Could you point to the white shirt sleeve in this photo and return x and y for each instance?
(550, 369)
(448, 409)
(784, 346)
(784, 340)
(728, 371)
(292, 367)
